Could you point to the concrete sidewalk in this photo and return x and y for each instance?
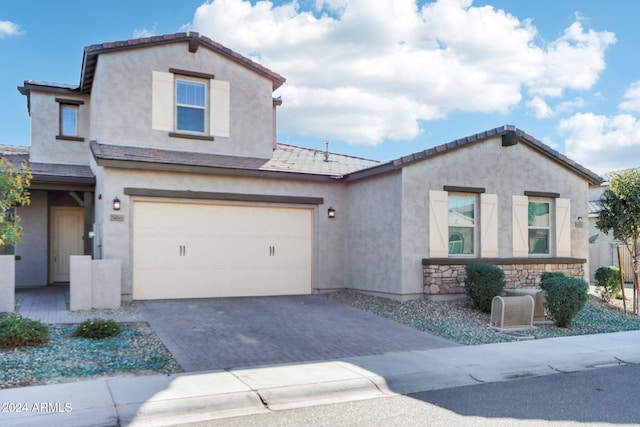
(192, 397)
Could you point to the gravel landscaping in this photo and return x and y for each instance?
(136, 351)
(458, 321)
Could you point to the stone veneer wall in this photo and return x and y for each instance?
(446, 276)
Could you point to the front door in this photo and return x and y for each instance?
(67, 225)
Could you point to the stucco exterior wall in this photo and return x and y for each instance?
(373, 235)
(121, 112)
(115, 236)
(31, 268)
(45, 126)
(505, 171)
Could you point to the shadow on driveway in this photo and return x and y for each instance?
(223, 333)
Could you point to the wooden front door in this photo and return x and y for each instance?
(66, 239)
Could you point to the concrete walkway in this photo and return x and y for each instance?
(196, 397)
(48, 304)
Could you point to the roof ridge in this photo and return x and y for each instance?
(195, 39)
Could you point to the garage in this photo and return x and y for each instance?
(201, 250)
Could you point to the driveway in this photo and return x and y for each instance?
(223, 333)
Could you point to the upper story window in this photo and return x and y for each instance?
(68, 120)
(539, 222)
(190, 105)
(69, 113)
(462, 224)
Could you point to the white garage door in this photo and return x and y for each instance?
(192, 250)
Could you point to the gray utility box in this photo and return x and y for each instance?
(512, 313)
(539, 314)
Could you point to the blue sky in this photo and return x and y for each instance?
(378, 79)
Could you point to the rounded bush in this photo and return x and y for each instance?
(483, 282)
(549, 274)
(16, 331)
(565, 297)
(96, 329)
(608, 282)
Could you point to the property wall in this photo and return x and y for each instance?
(329, 243)
(504, 171)
(121, 112)
(373, 236)
(45, 126)
(31, 268)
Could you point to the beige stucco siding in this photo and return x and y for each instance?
(504, 171)
(128, 75)
(45, 126)
(328, 242)
(373, 235)
(31, 268)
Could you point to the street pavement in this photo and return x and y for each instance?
(200, 396)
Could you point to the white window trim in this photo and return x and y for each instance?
(551, 227)
(205, 107)
(474, 227)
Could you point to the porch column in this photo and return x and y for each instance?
(7, 283)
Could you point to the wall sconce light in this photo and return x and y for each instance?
(331, 213)
(116, 204)
(579, 222)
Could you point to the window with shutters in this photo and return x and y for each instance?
(463, 224)
(190, 104)
(541, 226)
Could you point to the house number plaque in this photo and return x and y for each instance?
(117, 217)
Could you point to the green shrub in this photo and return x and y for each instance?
(608, 281)
(96, 329)
(549, 274)
(483, 282)
(16, 331)
(565, 297)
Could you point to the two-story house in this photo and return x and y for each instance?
(165, 157)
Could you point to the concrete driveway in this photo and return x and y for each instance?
(223, 333)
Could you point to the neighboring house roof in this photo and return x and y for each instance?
(594, 207)
(510, 136)
(48, 172)
(286, 158)
(194, 40)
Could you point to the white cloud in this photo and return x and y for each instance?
(540, 108)
(144, 32)
(631, 97)
(8, 29)
(358, 75)
(602, 143)
(573, 61)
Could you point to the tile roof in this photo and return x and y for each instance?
(185, 158)
(289, 158)
(48, 172)
(286, 158)
(90, 59)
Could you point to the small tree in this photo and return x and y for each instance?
(620, 213)
(14, 184)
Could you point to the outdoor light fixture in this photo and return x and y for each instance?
(116, 204)
(331, 212)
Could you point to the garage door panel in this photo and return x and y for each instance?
(184, 250)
